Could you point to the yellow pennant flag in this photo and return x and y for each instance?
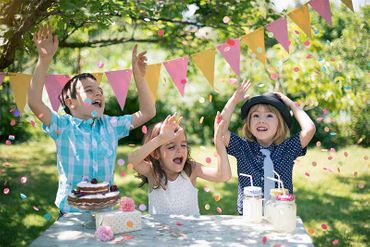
(349, 4)
(205, 61)
(152, 78)
(256, 42)
(301, 17)
(98, 77)
(20, 84)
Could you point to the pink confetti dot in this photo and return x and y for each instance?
(219, 210)
(296, 31)
(227, 48)
(226, 19)
(144, 129)
(6, 190)
(178, 223)
(122, 174)
(326, 129)
(121, 162)
(296, 69)
(33, 123)
(307, 174)
(23, 180)
(219, 119)
(308, 56)
(208, 160)
(40, 115)
(335, 242)
(346, 154)
(160, 32)
(264, 240)
(274, 76)
(8, 142)
(318, 144)
(100, 64)
(206, 188)
(232, 81)
(183, 81)
(230, 42)
(319, 119)
(289, 42)
(324, 226)
(330, 157)
(325, 111)
(307, 43)
(12, 122)
(361, 185)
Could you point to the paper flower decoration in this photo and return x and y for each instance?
(104, 233)
(127, 204)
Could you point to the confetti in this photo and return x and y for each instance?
(259, 50)
(201, 120)
(335, 242)
(11, 137)
(130, 166)
(160, 33)
(142, 207)
(178, 223)
(355, 174)
(307, 174)
(7, 164)
(207, 206)
(94, 113)
(361, 185)
(202, 100)
(210, 98)
(208, 160)
(122, 174)
(47, 216)
(217, 198)
(183, 81)
(41, 115)
(330, 157)
(13, 122)
(127, 237)
(23, 196)
(219, 118)
(366, 157)
(35, 208)
(296, 69)
(326, 129)
(219, 210)
(6, 190)
(100, 64)
(16, 113)
(311, 231)
(129, 224)
(264, 240)
(23, 180)
(308, 56)
(232, 81)
(87, 102)
(206, 188)
(226, 19)
(274, 76)
(230, 42)
(7, 142)
(227, 48)
(144, 129)
(121, 162)
(324, 226)
(296, 31)
(307, 43)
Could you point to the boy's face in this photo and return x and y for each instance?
(263, 125)
(89, 102)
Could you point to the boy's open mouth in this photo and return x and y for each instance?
(97, 103)
(178, 160)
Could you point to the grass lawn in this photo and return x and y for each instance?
(332, 188)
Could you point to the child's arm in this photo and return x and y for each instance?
(239, 95)
(308, 128)
(222, 172)
(46, 45)
(146, 105)
(167, 133)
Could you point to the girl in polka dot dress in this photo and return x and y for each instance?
(164, 163)
(267, 121)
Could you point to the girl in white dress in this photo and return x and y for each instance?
(164, 163)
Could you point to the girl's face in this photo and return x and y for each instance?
(89, 102)
(263, 125)
(172, 156)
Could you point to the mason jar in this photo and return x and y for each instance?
(269, 204)
(252, 204)
(284, 213)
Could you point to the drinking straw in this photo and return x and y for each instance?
(247, 175)
(279, 182)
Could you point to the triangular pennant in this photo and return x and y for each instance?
(98, 77)
(256, 42)
(323, 8)
(205, 61)
(230, 50)
(120, 81)
(177, 68)
(54, 85)
(2, 75)
(301, 17)
(349, 4)
(280, 31)
(152, 78)
(20, 84)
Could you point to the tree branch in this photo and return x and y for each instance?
(105, 42)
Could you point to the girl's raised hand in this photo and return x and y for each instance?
(170, 127)
(220, 130)
(285, 99)
(138, 63)
(46, 43)
(241, 92)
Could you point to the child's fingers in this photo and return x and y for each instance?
(134, 52)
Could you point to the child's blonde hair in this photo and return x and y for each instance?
(282, 131)
(160, 176)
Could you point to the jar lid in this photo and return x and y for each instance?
(286, 198)
(252, 191)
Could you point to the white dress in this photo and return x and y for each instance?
(180, 198)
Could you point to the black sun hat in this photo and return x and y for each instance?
(269, 99)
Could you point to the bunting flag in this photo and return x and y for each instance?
(349, 4)
(54, 85)
(280, 31)
(20, 84)
(205, 61)
(2, 75)
(323, 8)
(177, 68)
(230, 50)
(152, 78)
(301, 17)
(120, 81)
(256, 42)
(98, 76)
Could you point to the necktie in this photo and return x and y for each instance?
(268, 171)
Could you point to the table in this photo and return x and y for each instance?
(174, 230)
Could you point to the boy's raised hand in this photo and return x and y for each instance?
(46, 43)
(138, 63)
(241, 92)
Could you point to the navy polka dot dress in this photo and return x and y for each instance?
(250, 161)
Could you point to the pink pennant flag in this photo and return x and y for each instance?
(280, 31)
(323, 8)
(230, 50)
(120, 81)
(2, 75)
(177, 68)
(54, 85)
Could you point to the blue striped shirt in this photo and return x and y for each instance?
(85, 149)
